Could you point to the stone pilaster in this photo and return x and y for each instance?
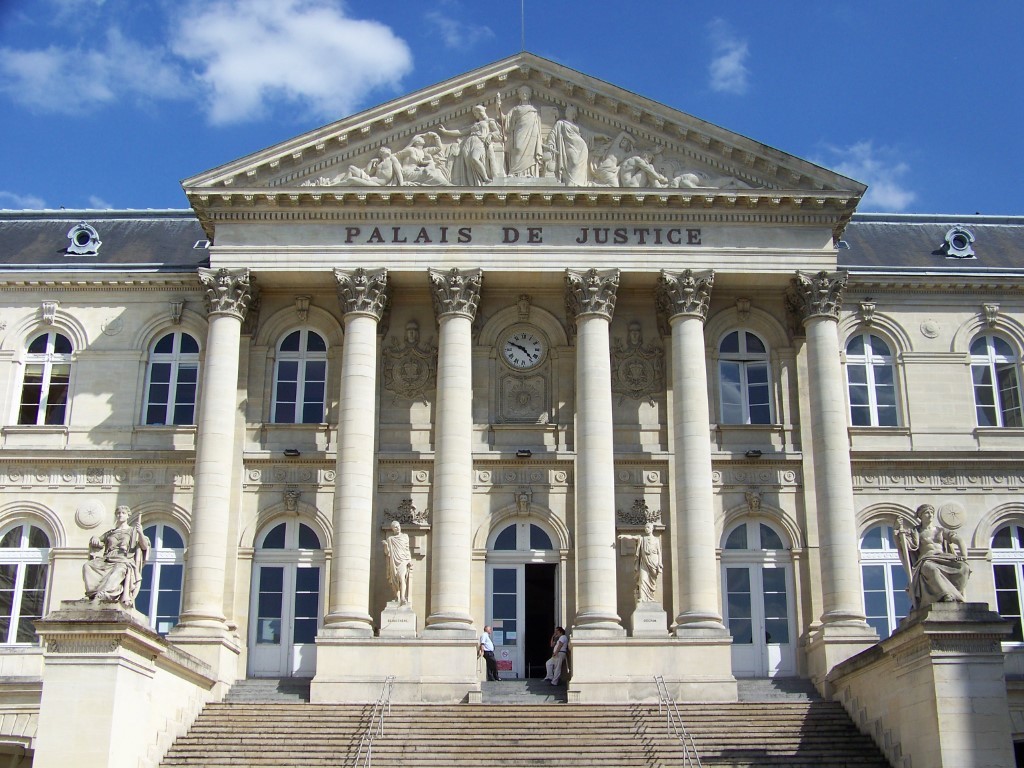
(817, 299)
(590, 303)
(456, 295)
(682, 300)
(230, 294)
(363, 295)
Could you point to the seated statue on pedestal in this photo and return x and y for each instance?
(935, 558)
(114, 570)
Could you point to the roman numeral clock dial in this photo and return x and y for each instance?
(523, 350)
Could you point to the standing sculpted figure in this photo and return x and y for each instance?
(647, 566)
(522, 136)
(399, 562)
(936, 559)
(476, 162)
(113, 572)
(569, 151)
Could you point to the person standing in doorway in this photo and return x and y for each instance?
(486, 650)
(559, 649)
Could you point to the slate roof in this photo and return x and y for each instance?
(139, 241)
(915, 243)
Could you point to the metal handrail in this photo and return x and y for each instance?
(375, 728)
(674, 723)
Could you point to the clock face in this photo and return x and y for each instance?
(523, 350)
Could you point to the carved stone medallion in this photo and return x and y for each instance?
(637, 368)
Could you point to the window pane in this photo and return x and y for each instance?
(774, 580)
(739, 606)
(855, 346)
(754, 344)
(165, 346)
(504, 606)
(1002, 539)
(776, 631)
(38, 345)
(275, 539)
(504, 580)
(874, 577)
(12, 538)
(770, 539)
(291, 342)
(171, 575)
(315, 343)
(37, 539)
(172, 539)
(506, 539)
(539, 539)
(308, 580)
(737, 580)
(738, 538)
(189, 346)
(308, 540)
(730, 343)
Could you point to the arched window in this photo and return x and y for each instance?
(869, 373)
(517, 538)
(1008, 570)
(300, 379)
(24, 562)
(996, 384)
(44, 389)
(744, 379)
(886, 600)
(173, 378)
(160, 595)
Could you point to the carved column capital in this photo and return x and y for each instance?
(684, 293)
(455, 292)
(229, 291)
(591, 292)
(816, 295)
(363, 291)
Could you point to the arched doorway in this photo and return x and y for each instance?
(285, 609)
(757, 586)
(523, 598)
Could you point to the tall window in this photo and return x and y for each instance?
(996, 386)
(24, 558)
(743, 378)
(886, 600)
(173, 380)
(160, 594)
(44, 390)
(1008, 569)
(869, 371)
(300, 378)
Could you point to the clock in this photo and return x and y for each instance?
(523, 349)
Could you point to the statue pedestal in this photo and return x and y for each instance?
(398, 621)
(649, 620)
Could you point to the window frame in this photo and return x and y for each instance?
(301, 358)
(1010, 557)
(745, 361)
(870, 363)
(46, 362)
(993, 364)
(178, 361)
(20, 557)
(154, 571)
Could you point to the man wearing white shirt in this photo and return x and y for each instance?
(487, 651)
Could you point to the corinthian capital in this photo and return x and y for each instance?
(362, 291)
(816, 295)
(229, 291)
(456, 292)
(684, 293)
(591, 292)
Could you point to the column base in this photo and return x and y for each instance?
(347, 625)
(598, 625)
(452, 625)
(695, 624)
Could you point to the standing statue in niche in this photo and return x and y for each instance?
(474, 163)
(523, 153)
(647, 566)
(113, 572)
(399, 562)
(569, 151)
(936, 559)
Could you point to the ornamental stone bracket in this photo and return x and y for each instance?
(455, 292)
(590, 293)
(229, 291)
(362, 291)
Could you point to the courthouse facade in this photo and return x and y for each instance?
(523, 313)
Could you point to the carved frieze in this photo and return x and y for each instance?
(590, 293)
(409, 367)
(456, 292)
(638, 370)
(362, 291)
(229, 291)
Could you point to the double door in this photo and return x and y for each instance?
(522, 609)
(758, 613)
(285, 616)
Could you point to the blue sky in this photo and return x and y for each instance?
(110, 103)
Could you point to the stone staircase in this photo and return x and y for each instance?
(278, 733)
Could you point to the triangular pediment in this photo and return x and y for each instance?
(523, 125)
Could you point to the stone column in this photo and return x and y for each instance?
(590, 302)
(456, 295)
(229, 296)
(363, 295)
(817, 300)
(683, 300)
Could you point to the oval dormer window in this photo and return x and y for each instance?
(84, 239)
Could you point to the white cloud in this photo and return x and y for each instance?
(728, 68)
(455, 33)
(14, 201)
(74, 80)
(99, 204)
(250, 53)
(880, 169)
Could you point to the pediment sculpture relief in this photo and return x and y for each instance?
(527, 145)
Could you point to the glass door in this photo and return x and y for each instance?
(758, 617)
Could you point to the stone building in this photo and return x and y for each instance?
(525, 314)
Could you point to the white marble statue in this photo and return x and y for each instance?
(423, 161)
(639, 171)
(399, 562)
(569, 151)
(474, 162)
(647, 566)
(604, 166)
(936, 559)
(522, 128)
(113, 572)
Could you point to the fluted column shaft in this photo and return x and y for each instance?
(363, 297)
(820, 297)
(683, 300)
(229, 295)
(590, 298)
(455, 295)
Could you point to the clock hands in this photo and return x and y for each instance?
(522, 349)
